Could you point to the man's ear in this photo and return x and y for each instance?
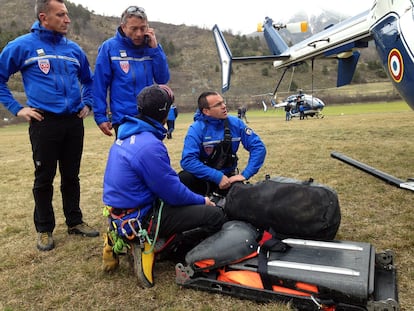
(42, 17)
(206, 111)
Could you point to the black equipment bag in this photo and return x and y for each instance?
(235, 241)
(288, 207)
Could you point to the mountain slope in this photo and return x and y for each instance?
(192, 55)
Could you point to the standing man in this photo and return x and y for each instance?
(172, 115)
(53, 68)
(243, 114)
(287, 112)
(126, 63)
(209, 159)
(300, 107)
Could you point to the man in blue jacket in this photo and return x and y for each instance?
(58, 83)
(209, 157)
(126, 63)
(172, 115)
(139, 173)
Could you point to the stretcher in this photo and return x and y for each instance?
(310, 274)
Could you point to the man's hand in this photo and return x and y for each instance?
(84, 112)
(237, 178)
(106, 128)
(30, 113)
(224, 182)
(152, 39)
(209, 202)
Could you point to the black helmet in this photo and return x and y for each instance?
(155, 101)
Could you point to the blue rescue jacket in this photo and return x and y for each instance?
(125, 69)
(139, 171)
(205, 133)
(52, 67)
(173, 113)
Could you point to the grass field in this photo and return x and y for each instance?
(69, 277)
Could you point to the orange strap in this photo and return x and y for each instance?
(252, 279)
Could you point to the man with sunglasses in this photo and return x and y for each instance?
(126, 63)
(58, 83)
(209, 159)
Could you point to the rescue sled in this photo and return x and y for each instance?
(311, 274)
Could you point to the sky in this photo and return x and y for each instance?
(241, 17)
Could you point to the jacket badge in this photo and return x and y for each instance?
(208, 149)
(44, 65)
(124, 65)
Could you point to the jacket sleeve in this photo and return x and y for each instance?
(161, 71)
(86, 79)
(161, 178)
(190, 160)
(9, 65)
(256, 148)
(101, 81)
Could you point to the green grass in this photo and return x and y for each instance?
(366, 108)
(69, 277)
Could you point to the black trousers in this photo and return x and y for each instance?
(201, 186)
(170, 126)
(188, 226)
(178, 219)
(56, 139)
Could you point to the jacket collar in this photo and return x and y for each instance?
(46, 34)
(131, 125)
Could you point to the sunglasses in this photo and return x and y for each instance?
(135, 9)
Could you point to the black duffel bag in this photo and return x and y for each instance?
(289, 207)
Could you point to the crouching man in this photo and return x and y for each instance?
(138, 175)
(209, 158)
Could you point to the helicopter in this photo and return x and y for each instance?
(312, 106)
(388, 23)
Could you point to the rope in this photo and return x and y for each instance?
(106, 211)
(142, 234)
(119, 243)
(156, 230)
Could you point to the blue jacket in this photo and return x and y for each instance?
(173, 113)
(139, 170)
(125, 69)
(52, 67)
(205, 133)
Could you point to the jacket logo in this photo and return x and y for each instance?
(44, 65)
(124, 65)
(208, 149)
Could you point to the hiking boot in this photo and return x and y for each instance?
(110, 260)
(45, 241)
(84, 229)
(143, 262)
